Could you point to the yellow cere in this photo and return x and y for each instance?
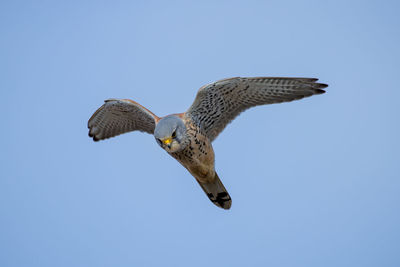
(167, 141)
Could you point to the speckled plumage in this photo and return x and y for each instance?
(187, 136)
(198, 155)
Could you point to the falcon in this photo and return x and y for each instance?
(187, 136)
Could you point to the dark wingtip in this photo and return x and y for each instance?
(93, 136)
(318, 88)
(322, 85)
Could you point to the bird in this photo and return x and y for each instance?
(188, 136)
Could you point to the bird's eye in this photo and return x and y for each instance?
(173, 134)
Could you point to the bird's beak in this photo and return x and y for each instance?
(167, 141)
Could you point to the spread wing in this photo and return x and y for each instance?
(218, 103)
(118, 116)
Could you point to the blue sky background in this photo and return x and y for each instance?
(314, 182)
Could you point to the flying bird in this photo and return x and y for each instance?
(187, 136)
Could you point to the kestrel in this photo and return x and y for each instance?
(187, 136)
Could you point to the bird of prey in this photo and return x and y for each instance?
(187, 136)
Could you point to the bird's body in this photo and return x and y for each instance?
(198, 156)
(187, 136)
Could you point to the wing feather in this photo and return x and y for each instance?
(218, 103)
(118, 116)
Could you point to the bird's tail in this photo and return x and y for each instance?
(217, 193)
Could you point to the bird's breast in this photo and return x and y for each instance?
(198, 155)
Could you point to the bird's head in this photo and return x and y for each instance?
(170, 134)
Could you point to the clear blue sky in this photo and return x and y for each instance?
(313, 182)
